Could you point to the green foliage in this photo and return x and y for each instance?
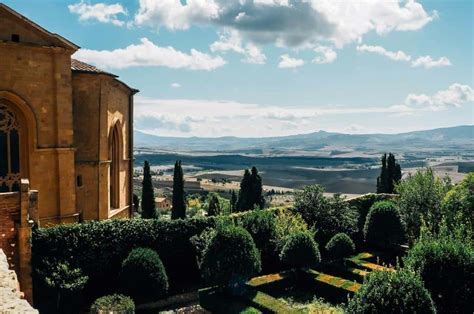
(300, 251)
(340, 246)
(392, 292)
(384, 226)
(99, 248)
(201, 242)
(231, 258)
(329, 215)
(421, 195)
(64, 277)
(233, 202)
(179, 203)
(447, 269)
(143, 275)
(148, 194)
(458, 204)
(250, 194)
(115, 303)
(390, 174)
(287, 223)
(214, 208)
(363, 204)
(66, 283)
(262, 227)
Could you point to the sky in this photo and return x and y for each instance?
(257, 68)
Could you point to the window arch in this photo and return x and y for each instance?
(114, 169)
(10, 146)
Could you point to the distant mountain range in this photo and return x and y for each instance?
(452, 138)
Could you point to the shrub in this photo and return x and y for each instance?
(447, 269)
(392, 292)
(458, 204)
(362, 205)
(420, 200)
(300, 251)
(287, 223)
(201, 242)
(115, 303)
(231, 258)
(330, 215)
(384, 226)
(261, 226)
(340, 246)
(143, 275)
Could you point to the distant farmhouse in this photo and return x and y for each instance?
(65, 136)
(163, 203)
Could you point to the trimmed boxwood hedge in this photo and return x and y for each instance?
(401, 291)
(300, 250)
(115, 303)
(98, 249)
(143, 276)
(363, 204)
(340, 246)
(383, 225)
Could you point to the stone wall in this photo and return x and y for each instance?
(11, 298)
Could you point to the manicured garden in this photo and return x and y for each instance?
(320, 255)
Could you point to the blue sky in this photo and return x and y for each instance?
(277, 67)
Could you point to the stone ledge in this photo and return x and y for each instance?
(11, 298)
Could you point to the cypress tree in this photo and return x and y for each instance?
(390, 174)
(214, 206)
(250, 193)
(233, 201)
(257, 189)
(179, 204)
(245, 186)
(148, 194)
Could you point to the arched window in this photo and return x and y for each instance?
(10, 174)
(114, 171)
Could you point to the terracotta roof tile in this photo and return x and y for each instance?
(80, 66)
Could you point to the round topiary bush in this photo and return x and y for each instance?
(115, 303)
(231, 258)
(383, 225)
(143, 276)
(340, 246)
(447, 269)
(300, 250)
(386, 292)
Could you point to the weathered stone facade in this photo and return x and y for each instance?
(66, 128)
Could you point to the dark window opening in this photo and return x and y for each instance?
(16, 38)
(79, 180)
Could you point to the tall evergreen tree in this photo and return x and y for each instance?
(179, 203)
(233, 201)
(214, 206)
(148, 194)
(250, 194)
(390, 174)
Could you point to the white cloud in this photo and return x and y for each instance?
(293, 23)
(104, 13)
(287, 62)
(174, 15)
(230, 40)
(428, 62)
(397, 56)
(455, 96)
(325, 55)
(182, 117)
(175, 85)
(148, 54)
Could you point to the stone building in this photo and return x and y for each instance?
(65, 135)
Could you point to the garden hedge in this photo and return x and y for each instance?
(363, 204)
(383, 226)
(300, 250)
(340, 246)
(143, 276)
(116, 303)
(446, 267)
(396, 292)
(98, 249)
